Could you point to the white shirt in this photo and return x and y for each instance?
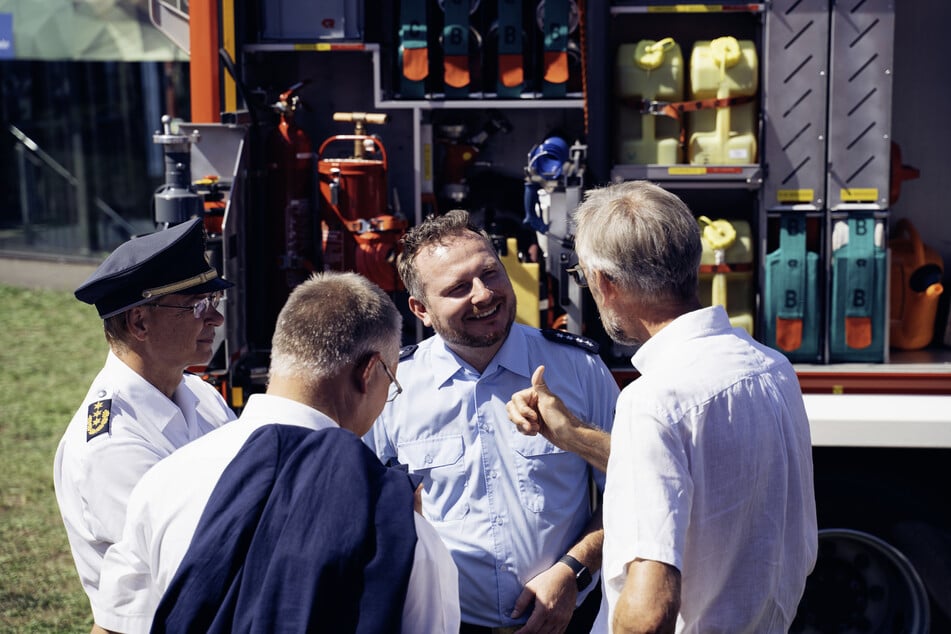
(94, 473)
(711, 472)
(166, 506)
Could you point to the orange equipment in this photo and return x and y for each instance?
(293, 253)
(359, 232)
(916, 286)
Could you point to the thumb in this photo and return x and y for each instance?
(525, 599)
(538, 381)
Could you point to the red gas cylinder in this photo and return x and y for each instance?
(359, 233)
(292, 250)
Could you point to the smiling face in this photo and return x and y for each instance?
(469, 299)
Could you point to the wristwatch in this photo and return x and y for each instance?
(582, 576)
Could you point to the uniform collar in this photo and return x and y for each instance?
(151, 405)
(511, 356)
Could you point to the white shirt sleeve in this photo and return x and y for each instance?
(432, 596)
(127, 597)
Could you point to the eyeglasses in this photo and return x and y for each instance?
(577, 274)
(395, 388)
(198, 309)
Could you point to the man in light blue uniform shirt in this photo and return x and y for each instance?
(514, 511)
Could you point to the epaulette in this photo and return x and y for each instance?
(98, 418)
(407, 351)
(563, 336)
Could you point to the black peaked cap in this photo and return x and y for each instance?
(146, 267)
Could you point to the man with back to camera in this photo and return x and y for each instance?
(284, 519)
(158, 296)
(514, 511)
(709, 508)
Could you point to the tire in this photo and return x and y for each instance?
(862, 584)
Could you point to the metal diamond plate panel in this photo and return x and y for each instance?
(796, 79)
(860, 95)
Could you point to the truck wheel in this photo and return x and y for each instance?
(862, 584)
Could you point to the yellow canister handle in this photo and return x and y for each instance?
(720, 236)
(649, 54)
(726, 53)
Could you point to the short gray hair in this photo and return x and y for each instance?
(643, 237)
(330, 321)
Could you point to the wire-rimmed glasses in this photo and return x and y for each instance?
(199, 308)
(395, 388)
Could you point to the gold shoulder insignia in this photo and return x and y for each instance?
(98, 418)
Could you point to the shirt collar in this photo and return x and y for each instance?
(152, 406)
(267, 408)
(511, 356)
(697, 323)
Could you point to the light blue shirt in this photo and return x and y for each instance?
(508, 506)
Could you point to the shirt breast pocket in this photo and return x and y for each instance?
(545, 472)
(440, 461)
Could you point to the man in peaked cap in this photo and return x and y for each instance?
(157, 295)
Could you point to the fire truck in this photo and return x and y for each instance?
(321, 130)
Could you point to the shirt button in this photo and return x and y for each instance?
(428, 459)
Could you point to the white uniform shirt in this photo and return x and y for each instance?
(711, 472)
(166, 506)
(93, 478)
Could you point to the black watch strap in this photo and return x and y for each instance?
(582, 575)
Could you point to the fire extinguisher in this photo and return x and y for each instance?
(293, 250)
(359, 232)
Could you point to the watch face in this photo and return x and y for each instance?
(583, 579)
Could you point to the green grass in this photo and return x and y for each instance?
(51, 347)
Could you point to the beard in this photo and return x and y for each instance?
(460, 337)
(616, 332)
